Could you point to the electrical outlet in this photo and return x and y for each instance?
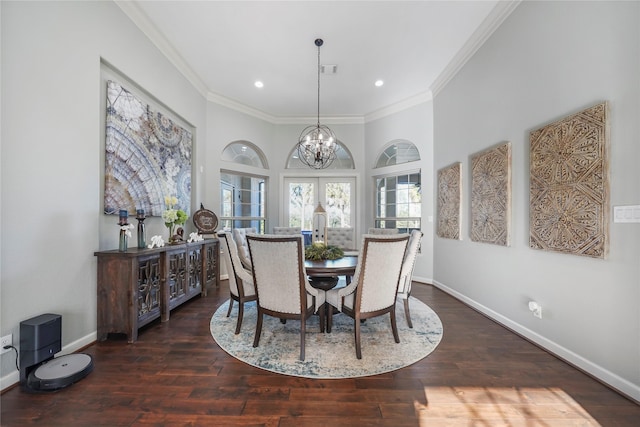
(6, 340)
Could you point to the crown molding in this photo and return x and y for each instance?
(140, 19)
(418, 99)
(280, 120)
(238, 106)
(490, 24)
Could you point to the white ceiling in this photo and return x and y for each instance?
(223, 47)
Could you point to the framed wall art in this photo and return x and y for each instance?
(569, 184)
(147, 156)
(449, 201)
(491, 195)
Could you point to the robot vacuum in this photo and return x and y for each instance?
(60, 372)
(40, 340)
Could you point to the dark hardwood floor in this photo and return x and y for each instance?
(480, 375)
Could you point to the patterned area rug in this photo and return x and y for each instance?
(329, 355)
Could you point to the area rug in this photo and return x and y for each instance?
(329, 355)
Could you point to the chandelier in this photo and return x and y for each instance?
(317, 143)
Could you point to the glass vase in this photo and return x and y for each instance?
(142, 239)
(124, 241)
(171, 229)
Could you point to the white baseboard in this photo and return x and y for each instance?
(621, 385)
(13, 377)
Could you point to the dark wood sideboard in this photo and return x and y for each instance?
(138, 286)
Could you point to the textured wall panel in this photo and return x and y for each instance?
(491, 195)
(569, 188)
(449, 201)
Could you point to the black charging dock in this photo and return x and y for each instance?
(40, 340)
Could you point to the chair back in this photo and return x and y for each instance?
(378, 271)
(287, 231)
(404, 287)
(373, 230)
(341, 237)
(240, 237)
(235, 270)
(278, 272)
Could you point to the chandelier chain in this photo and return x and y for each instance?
(319, 83)
(317, 145)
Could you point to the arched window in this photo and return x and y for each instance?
(245, 153)
(344, 159)
(396, 153)
(243, 189)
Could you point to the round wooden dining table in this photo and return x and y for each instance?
(345, 266)
(324, 274)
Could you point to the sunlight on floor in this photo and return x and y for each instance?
(495, 406)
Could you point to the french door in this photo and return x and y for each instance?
(301, 196)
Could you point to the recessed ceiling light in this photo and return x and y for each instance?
(258, 84)
(379, 83)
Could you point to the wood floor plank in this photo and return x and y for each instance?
(176, 375)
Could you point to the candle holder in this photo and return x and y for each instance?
(142, 239)
(123, 222)
(321, 213)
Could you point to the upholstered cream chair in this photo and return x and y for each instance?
(281, 282)
(287, 231)
(373, 230)
(241, 286)
(409, 262)
(343, 238)
(375, 283)
(240, 237)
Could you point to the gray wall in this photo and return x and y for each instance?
(52, 145)
(414, 124)
(548, 60)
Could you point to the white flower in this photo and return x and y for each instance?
(169, 216)
(127, 229)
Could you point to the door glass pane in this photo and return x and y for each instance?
(301, 205)
(338, 203)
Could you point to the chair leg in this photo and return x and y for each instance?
(406, 312)
(256, 340)
(240, 315)
(230, 307)
(394, 327)
(322, 310)
(303, 325)
(329, 317)
(357, 336)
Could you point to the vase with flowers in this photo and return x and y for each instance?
(173, 216)
(125, 230)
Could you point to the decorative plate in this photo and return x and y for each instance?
(205, 221)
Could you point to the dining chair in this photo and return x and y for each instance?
(374, 230)
(341, 237)
(406, 273)
(241, 287)
(287, 231)
(282, 288)
(372, 292)
(240, 237)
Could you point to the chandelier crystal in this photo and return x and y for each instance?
(317, 144)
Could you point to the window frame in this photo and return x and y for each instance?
(379, 221)
(258, 221)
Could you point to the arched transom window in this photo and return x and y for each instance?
(244, 153)
(398, 152)
(344, 159)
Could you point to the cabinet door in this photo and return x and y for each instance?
(177, 276)
(194, 278)
(148, 289)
